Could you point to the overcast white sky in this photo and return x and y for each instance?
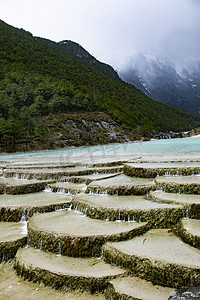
(112, 29)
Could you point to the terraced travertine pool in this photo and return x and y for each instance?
(120, 228)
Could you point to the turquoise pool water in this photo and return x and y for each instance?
(182, 145)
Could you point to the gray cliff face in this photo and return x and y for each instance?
(159, 79)
(85, 129)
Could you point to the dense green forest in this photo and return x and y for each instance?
(37, 79)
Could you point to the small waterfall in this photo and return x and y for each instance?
(40, 245)
(24, 176)
(186, 213)
(23, 220)
(59, 250)
(69, 208)
(48, 189)
(61, 191)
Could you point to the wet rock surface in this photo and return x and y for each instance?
(73, 234)
(67, 188)
(136, 288)
(121, 185)
(14, 208)
(15, 186)
(68, 273)
(12, 237)
(126, 211)
(128, 208)
(179, 184)
(149, 256)
(189, 231)
(56, 173)
(14, 287)
(151, 170)
(186, 294)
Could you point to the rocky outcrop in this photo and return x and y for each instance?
(170, 135)
(78, 129)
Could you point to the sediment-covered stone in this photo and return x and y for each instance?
(151, 170)
(14, 287)
(56, 173)
(12, 237)
(67, 187)
(87, 179)
(121, 185)
(62, 272)
(128, 288)
(19, 186)
(128, 208)
(190, 202)
(179, 184)
(14, 208)
(2, 188)
(73, 234)
(189, 231)
(158, 256)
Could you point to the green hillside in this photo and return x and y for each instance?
(38, 80)
(77, 52)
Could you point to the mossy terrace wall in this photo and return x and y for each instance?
(77, 246)
(172, 187)
(163, 217)
(187, 236)
(120, 190)
(144, 172)
(23, 188)
(169, 274)
(16, 214)
(61, 281)
(28, 174)
(9, 249)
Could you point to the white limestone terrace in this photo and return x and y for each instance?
(22, 207)
(179, 184)
(120, 202)
(193, 226)
(128, 208)
(69, 273)
(17, 181)
(14, 287)
(176, 198)
(58, 235)
(152, 169)
(121, 185)
(74, 234)
(12, 231)
(12, 237)
(88, 178)
(21, 186)
(189, 231)
(56, 173)
(159, 256)
(137, 288)
(67, 187)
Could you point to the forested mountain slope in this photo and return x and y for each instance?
(37, 81)
(77, 52)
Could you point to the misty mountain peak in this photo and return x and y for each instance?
(159, 78)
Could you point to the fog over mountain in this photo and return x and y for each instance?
(115, 32)
(164, 81)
